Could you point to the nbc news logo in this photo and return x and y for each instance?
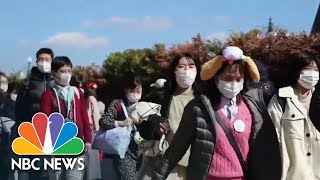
(48, 137)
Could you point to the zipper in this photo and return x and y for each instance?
(45, 82)
(210, 111)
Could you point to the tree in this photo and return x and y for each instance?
(16, 77)
(132, 62)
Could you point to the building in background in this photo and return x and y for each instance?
(316, 23)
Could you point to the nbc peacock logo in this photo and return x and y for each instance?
(48, 136)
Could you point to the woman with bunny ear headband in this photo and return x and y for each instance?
(224, 126)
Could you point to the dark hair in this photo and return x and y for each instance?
(13, 87)
(59, 62)
(131, 82)
(3, 74)
(44, 51)
(172, 83)
(212, 90)
(89, 92)
(299, 62)
(288, 71)
(77, 82)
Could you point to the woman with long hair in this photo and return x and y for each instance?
(181, 87)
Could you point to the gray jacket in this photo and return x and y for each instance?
(198, 130)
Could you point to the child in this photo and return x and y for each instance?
(68, 101)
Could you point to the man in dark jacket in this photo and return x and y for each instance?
(29, 96)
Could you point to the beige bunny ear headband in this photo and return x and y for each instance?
(229, 55)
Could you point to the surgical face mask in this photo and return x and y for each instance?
(308, 78)
(13, 96)
(134, 97)
(63, 79)
(3, 84)
(230, 89)
(44, 67)
(186, 78)
(4, 87)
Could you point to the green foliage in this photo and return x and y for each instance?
(139, 62)
(15, 77)
(132, 62)
(92, 73)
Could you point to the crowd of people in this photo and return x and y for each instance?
(223, 120)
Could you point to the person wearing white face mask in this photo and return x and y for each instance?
(29, 96)
(3, 82)
(181, 87)
(289, 110)
(69, 101)
(223, 126)
(6, 111)
(40, 79)
(113, 167)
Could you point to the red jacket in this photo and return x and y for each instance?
(48, 105)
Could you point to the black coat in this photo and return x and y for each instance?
(315, 108)
(29, 95)
(198, 130)
(8, 109)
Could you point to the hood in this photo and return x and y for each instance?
(38, 75)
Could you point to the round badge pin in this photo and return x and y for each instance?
(239, 126)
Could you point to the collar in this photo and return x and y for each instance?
(37, 74)
(188, 91)
(225, 101)
(289, 92)
(63, 88)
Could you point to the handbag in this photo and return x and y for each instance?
(114, 141)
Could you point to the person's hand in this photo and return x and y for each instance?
(87, 148)
(163, 128)
(126, 123)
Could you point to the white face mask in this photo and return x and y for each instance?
(308, 78)
(13, 96)
(4, 87)
(185, 79)
(133, 97)
(63, 79)
(44, 67)
(3, 84)
(230, 89)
